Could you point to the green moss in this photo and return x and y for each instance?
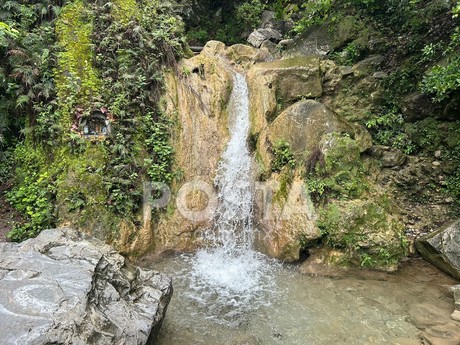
(125, 10)
(339, 172)
(285, 179)
(365, 231)
(77, 81)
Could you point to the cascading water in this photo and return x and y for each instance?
(228, 278)
(233, 221)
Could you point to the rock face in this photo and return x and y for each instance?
(441, 248)
(62, 289)
(275, 85)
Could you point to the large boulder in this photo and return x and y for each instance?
(442, 249)
(61, 288)
(303, 124)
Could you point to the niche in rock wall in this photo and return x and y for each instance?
(96, 124)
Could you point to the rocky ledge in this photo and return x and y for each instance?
(64, 288)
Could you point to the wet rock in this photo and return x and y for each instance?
(246, 56)
(257, 37)
(369, 231)
(441, 248)
(286, 42)
(198, 99)
(346, 70)
(268, 19)
(61, 288)
(387, 156)
(438, 153)
(213, 48)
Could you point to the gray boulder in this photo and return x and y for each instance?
(259, 36)
(62, 288)
(442, 249)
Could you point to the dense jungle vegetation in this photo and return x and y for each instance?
(63, 61)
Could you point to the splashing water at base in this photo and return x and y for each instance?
(229, 279)
(227, 288)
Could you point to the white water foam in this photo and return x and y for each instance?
(229, 279)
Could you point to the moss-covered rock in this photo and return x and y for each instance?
(366, 231)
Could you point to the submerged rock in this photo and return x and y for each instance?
(60, 288)
(441, 248)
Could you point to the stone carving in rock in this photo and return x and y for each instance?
(441, 248)
(257, 37)
(60, 288)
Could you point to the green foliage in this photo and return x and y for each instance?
(350, 55)
(430, 135)
(6, 165)
(387, 128)
(130, 56)
(443, 81)
(33, 194)
(159, 166)
(313, 12)
(103, 56)
(249, 13)
(283, 156)
(339, 173)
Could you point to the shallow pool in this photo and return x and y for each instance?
(404, 308)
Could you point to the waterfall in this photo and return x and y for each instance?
(228, 278)
(233, 221)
